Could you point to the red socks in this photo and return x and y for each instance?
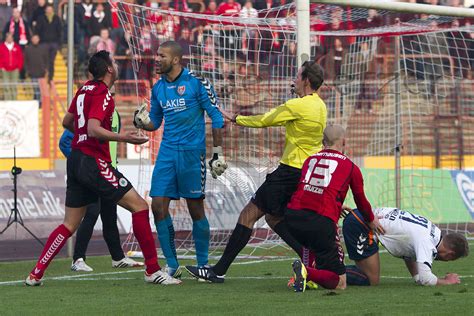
(327, 279)
(142, 231)
(56, 241)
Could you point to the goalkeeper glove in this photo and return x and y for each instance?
(217, 164)
(141, 117)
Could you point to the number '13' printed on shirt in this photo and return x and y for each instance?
(320, 172)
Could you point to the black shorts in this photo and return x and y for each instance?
(318, 233)
(89, 178)
(275, 193)
(359, 239)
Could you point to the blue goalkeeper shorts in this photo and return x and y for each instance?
(360, 241)
(179, 174)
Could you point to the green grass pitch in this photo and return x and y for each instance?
(252, 287)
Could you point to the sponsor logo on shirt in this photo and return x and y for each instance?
(314, 189)
(82, 137)
(174, 104)
(88, 88)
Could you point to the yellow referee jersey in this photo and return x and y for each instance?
(304, 120)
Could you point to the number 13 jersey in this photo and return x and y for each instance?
(325, 180)
(92, 101)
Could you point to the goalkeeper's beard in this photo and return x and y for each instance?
(164, 69)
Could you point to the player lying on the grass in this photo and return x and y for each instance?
(315, 208)
(304, 119)
(411, 237)
(180, 98)
(91, 176)
(105, 208)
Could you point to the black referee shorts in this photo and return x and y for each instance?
(89, 178)
(275, 193)
(318, 233)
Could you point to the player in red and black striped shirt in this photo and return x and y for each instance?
(91, 176)
(314, 210)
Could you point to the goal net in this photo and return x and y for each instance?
(398, 82)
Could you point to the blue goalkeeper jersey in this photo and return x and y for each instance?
(181, 104)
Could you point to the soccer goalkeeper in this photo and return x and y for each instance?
(180, 98)
(304, 119)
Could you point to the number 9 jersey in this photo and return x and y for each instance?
(325, 180)
(92, 101)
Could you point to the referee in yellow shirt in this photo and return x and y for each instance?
(304, 119)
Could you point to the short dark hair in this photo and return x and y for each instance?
(457, 243)
(176, 49)
(98, 64)
(314, 73)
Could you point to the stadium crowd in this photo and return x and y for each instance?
(39, 28)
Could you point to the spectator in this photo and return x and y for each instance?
(125, 63)
(38, 11)
(105, 43)
(49, 29)
(373, 19)
(333, 60)
(181, 5)
(87, 8)
(82, 14)
(229, 8)
(5, 12)
(99, 20)
(211, 8)
(36, 62)
(18, 28)
(11, 62)
(248, 11)
(185, 40)
(117, 32)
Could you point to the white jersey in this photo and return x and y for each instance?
(408, 236)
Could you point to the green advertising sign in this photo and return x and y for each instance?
(431, 193)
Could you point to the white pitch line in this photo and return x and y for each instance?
(90, 276)
(73, 278)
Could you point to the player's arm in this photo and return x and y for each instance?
(275, 117)
(68, 121)
(363, 205)
(422, 274)
(411, 266)
(94, 129)
(209, 102)
(149, 121)
(421, 269)
(142, 119)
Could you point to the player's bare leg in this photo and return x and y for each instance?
(160, 207)
(133, 202)
(250, 215)
(201, 230)
(371, 268)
